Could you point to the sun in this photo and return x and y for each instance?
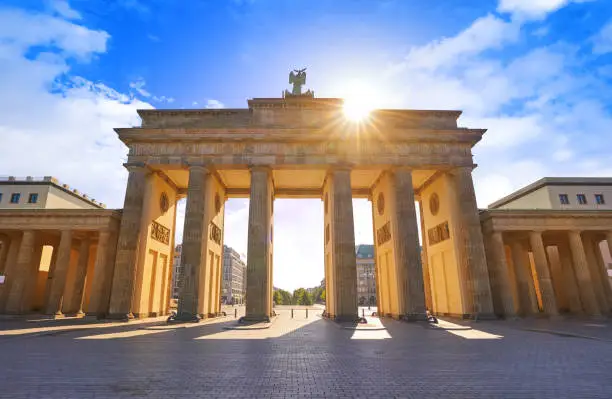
(357, 109)
(360, 99)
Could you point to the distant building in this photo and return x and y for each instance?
(42, 193)
(176, 270)
(564, 193)
(366, 277)
(234, 277)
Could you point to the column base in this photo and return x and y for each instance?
(350, 318)
(120, 316)
(482, 316)
(93, 316)
(255, 319)
(410, 317)
(185, 318)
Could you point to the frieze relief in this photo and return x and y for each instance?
(299, 149)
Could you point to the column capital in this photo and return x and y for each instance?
(136, 166)
(458, 169)
(197, 165)
(340, 167)
(260, 168)
(401, 168)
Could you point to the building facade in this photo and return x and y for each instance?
(234, 277)
(366, 275)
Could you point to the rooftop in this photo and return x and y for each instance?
(552, 181)
(50, 180)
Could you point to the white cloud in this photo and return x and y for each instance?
(20, 31)
(489, 32)
(602, 42)
(138, 86)
(63, 124)
(63, 9)
(214, 104)
(533, 9)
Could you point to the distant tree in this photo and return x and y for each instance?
(278, 299)
(322, 295)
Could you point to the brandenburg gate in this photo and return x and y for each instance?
(300, 146)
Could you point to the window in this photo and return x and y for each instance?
(599, 199)
(581, 199)
(33, 199)
(0, 197)
(15, 198)
(564, 199)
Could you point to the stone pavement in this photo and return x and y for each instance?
(302, 357)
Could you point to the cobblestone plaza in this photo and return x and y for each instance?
(302, 357)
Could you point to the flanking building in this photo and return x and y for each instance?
(366, 275)
(234, 277)
(548, 247)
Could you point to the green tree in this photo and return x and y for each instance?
(322, 297)
(278, 299)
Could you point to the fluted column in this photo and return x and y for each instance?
(410, 286)
(520, 258)
(583, 276)
(193, 260)
(424, 263)
(58, 283)
(9, 270)
(469, 238)
(603, 271)
(501, 275)
(127, 244)
(95, 307)
(569, 279)
(590, 248)
(6, 242)
(259, 245)
(547, 292)
(81, 274)
(21, 272)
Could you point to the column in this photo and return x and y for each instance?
(95, 307)
(193, 260)
(406, 247)
(585, 284)
(569, 279)
(547, 292)
(127, 245)
(259, 243)
(9, 270)
(603, 271)
(6, 242)
(520, 258)
(590, 247)
(343, 242)
(424, 262)
(20, 273)
(472, 259)
(56, 293)
(81, 275)
(377, 272)
(501, 280)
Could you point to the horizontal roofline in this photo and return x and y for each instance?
(52, 182)
(551, 181)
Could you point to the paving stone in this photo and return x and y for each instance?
(300, 358)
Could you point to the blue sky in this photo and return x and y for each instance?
(536, 73)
